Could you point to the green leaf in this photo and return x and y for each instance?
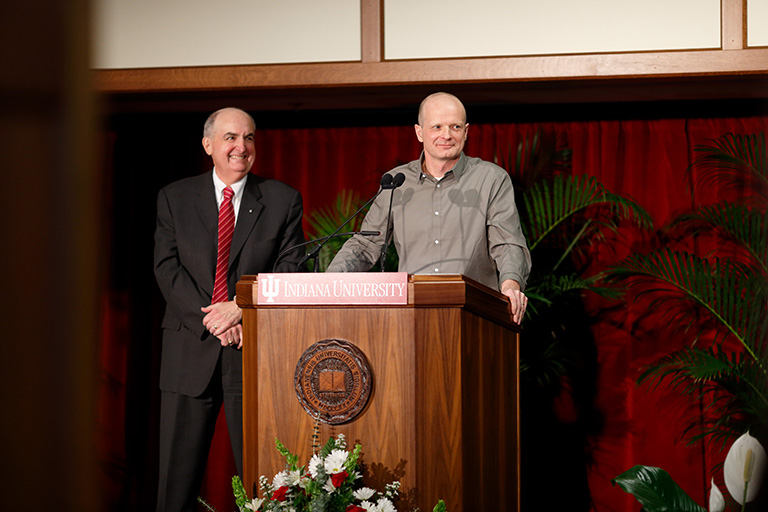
(241, 498)
(440, 507)
(655, 490)
(738, 223)
(291, 460)
(733, 161)
(729, 293)
(550, 204)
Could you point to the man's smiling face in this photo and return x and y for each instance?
(231, 145)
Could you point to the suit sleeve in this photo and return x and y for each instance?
(292, 236)
(182, 294)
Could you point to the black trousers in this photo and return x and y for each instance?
(187, 425)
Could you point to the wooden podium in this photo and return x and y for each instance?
(443, 415)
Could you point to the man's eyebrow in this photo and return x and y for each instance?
(233, 134)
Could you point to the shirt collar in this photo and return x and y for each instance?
(219, 186)
(457, 169)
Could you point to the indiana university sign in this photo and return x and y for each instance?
(375, 288)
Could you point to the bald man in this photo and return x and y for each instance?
(201, 368)
(454, 214)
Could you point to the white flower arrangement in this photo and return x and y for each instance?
(330, 482)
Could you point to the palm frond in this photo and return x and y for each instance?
(736, 387)
(746, 226)
(733, 161)
(554, 286)
(729, 293)
(324, 221)
(549, 204)
(537, 157)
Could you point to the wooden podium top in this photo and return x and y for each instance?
(438, 290)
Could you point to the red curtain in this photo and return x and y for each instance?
(641, 159)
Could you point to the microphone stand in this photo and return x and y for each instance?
(386, 183)
(398, 180)
(321, 239)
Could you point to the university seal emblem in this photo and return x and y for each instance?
(333, 381)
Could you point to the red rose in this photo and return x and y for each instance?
(279, 494)
(354, 508)
(339, 478)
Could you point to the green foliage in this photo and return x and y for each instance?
(550, 204)
(324, 221)
(733, 161)
(562, 216)
(241, 497)
(655, 490)
(440, 507)
(724, 293)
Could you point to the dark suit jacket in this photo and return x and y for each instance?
(269, 221)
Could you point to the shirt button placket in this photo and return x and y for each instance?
(437, 226)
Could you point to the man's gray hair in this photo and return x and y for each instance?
(211, 121)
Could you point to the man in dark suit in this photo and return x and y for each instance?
(201, 366)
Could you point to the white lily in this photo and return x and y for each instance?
(744, 468)
(716, 500)
(254, 504)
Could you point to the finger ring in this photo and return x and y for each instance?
(215, 327)
(231, 342)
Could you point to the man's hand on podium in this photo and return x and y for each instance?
(517, 300)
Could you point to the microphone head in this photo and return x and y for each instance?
(398, 180)
(386, 181)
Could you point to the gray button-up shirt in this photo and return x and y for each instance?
(465, 223)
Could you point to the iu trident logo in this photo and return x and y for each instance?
(270, 287)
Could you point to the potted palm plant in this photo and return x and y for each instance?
(717, 296)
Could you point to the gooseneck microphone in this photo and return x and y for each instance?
(398, 180)
(385, 183)
(318, 240)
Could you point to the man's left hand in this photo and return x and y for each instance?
(221, 316)
(517, 300)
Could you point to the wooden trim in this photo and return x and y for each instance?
(372, 30)
(733, 24)
(413, 72)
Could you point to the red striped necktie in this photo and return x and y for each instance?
(226, 228)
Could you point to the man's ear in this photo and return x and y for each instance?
(418, 132)
(207, 146)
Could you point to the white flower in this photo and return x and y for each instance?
(254, 504)
(314, 463)
(264, 485)
(341, 441)
(384, 505)
(334, 463)
(304, 482)
(292, 478)
(368, 506)
(744, 467)
(280, 480)
(364, 493)
(716, 501)
(328, 487)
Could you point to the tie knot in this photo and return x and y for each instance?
(228, 193)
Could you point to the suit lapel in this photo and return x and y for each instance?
(250, 210)
(205, 204)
